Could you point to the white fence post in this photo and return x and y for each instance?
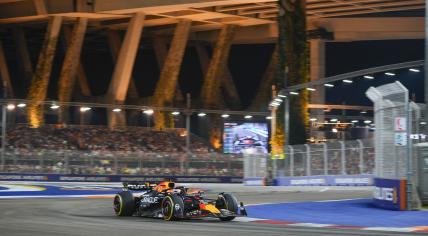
(325, 159)
(342, 158)
(291, 160)
(308, 160)
(361, 153)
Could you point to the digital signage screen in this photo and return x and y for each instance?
(245, 137)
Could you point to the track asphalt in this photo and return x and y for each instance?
(272, 211)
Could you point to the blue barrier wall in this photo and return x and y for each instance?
(117, 178)
(390, 194)
(321, 180)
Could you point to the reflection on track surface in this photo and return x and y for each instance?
(80, 216)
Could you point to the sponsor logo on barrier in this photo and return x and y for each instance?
(236, 180)
(351, 180)
(365, 181)
(84, 178)
(118, 178)
(140, 179)
(256, 182)
(385, 194)
(24, 177)
(390, 193)
(307, 181)
(190, 179)
(72, 178)
(86, 187)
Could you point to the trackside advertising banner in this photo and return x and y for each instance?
(326, 180)
(321, 180)
(390, 194)
(256, 181)
(116, 178)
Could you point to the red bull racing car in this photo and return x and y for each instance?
(166, 200)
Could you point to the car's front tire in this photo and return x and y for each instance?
(228, 202)
(124, 204)
(172, 207)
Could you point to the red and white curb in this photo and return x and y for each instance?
(332, 226)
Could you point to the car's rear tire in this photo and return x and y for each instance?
(124, 204)
(228, 202)
(172, 207)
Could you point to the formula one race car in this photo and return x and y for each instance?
(165, 200)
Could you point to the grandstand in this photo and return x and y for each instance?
(98, 150)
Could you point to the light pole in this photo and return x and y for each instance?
(188, 113)
(286, 122)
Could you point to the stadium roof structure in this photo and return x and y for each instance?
(182, 23)
(257, 18)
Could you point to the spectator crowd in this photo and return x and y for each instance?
(98, 150)
(142, 151)
(100, 138)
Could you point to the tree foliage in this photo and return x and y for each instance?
(293, 66)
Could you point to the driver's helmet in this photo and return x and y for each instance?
(162, 186)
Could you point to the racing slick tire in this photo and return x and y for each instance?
(172, 207)
(228, 202)
(124, 204)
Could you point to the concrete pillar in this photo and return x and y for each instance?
(22, 54)
(226, 84)
(40, 7)
(81, 74)
(40, 81)
(210, 94)
(70, 65)
(317, 70)
(120, 81)
(115, 42)
(4, 73)
(167, 84)
(160, 46)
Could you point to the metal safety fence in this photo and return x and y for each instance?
(354, 157)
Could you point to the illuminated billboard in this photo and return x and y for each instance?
(245, 138)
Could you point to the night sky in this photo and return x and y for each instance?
(247, 64)
(347, 57)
